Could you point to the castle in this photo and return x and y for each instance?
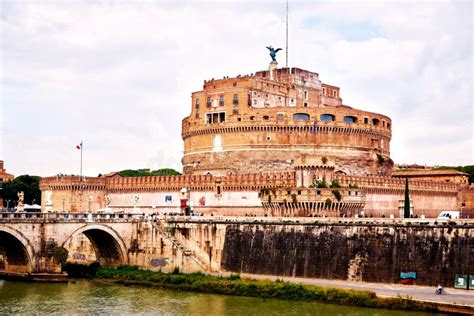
(278, 142)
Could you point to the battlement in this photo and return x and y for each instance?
(369, 182)
(72, 183)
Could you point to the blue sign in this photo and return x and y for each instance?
(408, 275)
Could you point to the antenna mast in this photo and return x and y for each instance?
(287, 34)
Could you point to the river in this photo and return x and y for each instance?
(84, 297)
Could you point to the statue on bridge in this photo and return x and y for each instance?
(273, 53)
(21, 201)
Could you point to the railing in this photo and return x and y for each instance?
(70, 217)
(315, 221)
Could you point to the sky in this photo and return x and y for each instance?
(118, 75)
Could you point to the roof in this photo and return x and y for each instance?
(428, 173)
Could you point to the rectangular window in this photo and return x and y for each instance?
(324, 91)
(280, 116)
(221, 100)
(209, 102)
(197, 103)
(334, 93)
(306, 95)
(216, 117)
(236, 99)
(366, 120)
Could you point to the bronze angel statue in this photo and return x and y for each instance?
(273, 52)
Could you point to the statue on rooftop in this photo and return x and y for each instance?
(273, 52)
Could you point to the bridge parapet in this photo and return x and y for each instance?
(9, 217)
(321, 221)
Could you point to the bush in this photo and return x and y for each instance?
(337, 195)
(380, 158)
(234, 277)
(321, 183)
(324, 160)
(328, 202)
(60, 255)
(335, 184)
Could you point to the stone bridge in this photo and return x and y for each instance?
(375, 250)
(28, 242)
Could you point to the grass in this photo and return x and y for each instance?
(235, 285)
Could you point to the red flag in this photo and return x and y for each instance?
(79, 146)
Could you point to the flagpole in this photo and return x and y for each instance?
(81, 161)
(287, 34)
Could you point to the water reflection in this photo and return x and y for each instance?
(91, 298)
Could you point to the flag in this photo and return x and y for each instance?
(79, 146)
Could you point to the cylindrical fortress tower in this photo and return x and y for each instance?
(277, 120)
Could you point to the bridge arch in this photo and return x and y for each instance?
(109, 247)
(17, 250)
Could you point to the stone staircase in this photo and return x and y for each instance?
(181, 247)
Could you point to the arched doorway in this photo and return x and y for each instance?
(107, 246)
(16, 252)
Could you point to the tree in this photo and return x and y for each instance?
(26, 183)
(406, 209)
(146, 173)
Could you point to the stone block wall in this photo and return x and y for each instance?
(365, 252)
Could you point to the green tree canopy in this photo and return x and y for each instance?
(467, 169)
(145, 173)
(26, 183)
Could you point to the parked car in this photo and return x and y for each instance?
(448, 215)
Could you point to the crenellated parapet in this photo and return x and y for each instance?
(397, 185)
(240, 182)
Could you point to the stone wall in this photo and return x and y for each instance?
(373, 252)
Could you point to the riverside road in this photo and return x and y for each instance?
(421, 293)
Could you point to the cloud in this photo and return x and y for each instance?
(118, 75)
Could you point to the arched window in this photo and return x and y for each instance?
(375, 121)
(266, 117)
(301, 117)
(388, 125)
(350, 119)
(326, 117)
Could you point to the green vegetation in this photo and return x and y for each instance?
(328, 202)
(380, 158)
(321, 183)
(60, 255)
(147, 172)
(467, 169)
(353, 186)
(335, 184)
(337, 195)
(324, 160)
(406, 206)
(235, 285)
(26, 183)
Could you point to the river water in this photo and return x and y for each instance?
(85, 297)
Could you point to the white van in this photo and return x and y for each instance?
(449, 215)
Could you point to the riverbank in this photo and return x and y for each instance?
(237, 286)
